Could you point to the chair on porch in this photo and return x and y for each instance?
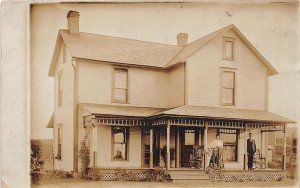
(259, 161)
(196, 157)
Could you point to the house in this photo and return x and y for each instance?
(130, 98)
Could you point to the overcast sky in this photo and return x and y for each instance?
(272, 29)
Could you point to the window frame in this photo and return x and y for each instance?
(126, 144)
(114, 100)
(64, 54)
(228, 39)
(59, 142)
(236, 145)
(60, 85)
(222, 103)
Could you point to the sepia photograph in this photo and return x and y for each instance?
(155, 94)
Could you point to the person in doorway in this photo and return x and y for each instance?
(216, 159)
(251, 149)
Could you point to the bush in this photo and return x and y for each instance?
(93, 174)
(84, 154)
(62, 174)
(35, 163)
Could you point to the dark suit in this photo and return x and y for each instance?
(251, 149)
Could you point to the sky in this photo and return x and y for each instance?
(271, 28)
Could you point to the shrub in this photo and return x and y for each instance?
(62, 174)
(35, 163)
(35, 168)
(93, 174)
(84, 154)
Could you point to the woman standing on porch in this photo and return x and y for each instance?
(216, 157)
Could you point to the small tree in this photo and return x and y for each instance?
(84, 154)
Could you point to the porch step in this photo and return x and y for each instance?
(188, 175)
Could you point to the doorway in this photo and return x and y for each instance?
(189, 136)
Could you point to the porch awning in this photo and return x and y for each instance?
(117, 110)
(226, 113)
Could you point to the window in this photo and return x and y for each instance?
(230, 143)
(228, 87)
(120, 137)
(60, 89)
(229, 48)
(59, 142)
(120, 85)
(64, 54)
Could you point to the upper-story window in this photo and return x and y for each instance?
(229, 48)
(64, 53)
(120, 85)
(228, 87)
(60, 89)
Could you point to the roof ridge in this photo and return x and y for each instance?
(123, 38)
(193, 42)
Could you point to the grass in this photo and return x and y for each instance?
(53, 182)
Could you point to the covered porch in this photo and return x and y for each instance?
(180, 129)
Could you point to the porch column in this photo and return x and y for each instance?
(266, 148)
(245, 147)
(94, 145)
(262, 148)
(177, 147)
(151, 148)
(168, 145)
(284, 149)
(205, 143)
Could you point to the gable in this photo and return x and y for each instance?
(190, 49)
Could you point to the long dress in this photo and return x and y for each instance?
(216, 159)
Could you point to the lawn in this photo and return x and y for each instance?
(53, 182)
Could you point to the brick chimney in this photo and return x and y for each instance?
(182, 39)
(73, 22)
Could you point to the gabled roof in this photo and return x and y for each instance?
(114, 49)
(196, 45)
(135, 52)
(225, 113)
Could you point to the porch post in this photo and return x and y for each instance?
(177, 147)
(94, 145)
(266, 148)
(284, 148)
(205, 143)
(262, 144)
(168, 145)
(245, 147)
(151, 148)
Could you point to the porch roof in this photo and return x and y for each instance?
(118, 110)
(226, 113)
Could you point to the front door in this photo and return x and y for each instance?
(188, 138)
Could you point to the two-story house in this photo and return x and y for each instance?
(131, 98)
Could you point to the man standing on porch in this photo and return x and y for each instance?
(251, 149)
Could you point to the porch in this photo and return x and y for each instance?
(181, 129)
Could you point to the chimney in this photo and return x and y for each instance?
(182, 39)
(73, 22)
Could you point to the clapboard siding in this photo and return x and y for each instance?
(64, 115)
(204, 70)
